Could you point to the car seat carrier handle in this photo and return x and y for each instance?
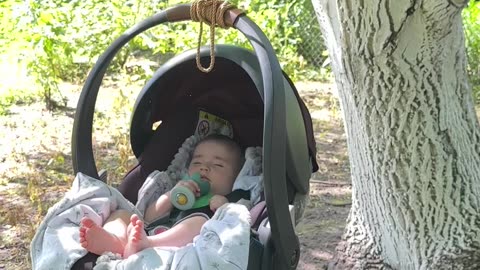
(285, 242)
(182, 13)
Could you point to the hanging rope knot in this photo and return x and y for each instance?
(211, 12)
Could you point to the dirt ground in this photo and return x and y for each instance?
(36, 170)
(330, 188)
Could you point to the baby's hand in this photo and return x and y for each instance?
(216, 201)
(190, 185)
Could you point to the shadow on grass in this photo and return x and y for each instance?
(332, 156)
(320, 231)
(325, 215)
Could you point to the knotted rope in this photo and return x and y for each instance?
(211, 12)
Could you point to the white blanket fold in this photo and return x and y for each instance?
(223, 242)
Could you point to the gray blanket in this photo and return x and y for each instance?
(223, 242)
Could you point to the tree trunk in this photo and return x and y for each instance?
(413, 136)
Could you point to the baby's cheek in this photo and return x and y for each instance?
(191, 170)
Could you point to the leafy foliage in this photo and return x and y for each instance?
(471, 22)
(68, 36)
(9, 97)
(60, 40)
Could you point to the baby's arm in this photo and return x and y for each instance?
(217, 201)
(158, 209)
(163, 205)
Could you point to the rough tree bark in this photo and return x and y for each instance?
(413, 136)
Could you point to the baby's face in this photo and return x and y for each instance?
(216, 164)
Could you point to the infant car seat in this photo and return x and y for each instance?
(248, 89)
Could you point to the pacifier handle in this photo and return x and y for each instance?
(203, 185)
(183, 198)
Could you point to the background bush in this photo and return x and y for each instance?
(60, 40)
(471, 23)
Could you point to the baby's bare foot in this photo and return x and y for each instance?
(137, 237)
(96, 240)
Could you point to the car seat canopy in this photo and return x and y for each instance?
(232, 90)
(229, 91)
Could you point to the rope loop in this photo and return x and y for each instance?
(211, 12)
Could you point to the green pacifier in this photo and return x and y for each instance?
(183, 198)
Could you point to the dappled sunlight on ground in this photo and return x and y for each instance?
(36, 167)
(330, 190)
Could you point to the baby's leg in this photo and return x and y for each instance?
(137, 237)
(178, 236)
(112, 237)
